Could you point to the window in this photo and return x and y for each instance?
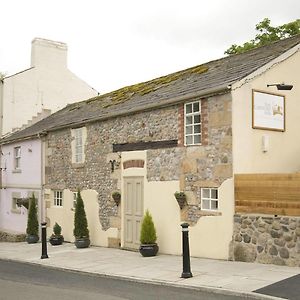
(17, 158)
(192, 123)
(209, 199)
(79, 138)
(58, 198)
(78, 145)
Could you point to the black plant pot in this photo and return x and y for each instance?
(148, 249)
(56, 240)
(82, 242)
(31, 239)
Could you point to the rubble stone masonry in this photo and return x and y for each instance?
(266, 239)
(207, 165)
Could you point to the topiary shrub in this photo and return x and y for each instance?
(80, 221)
(148, 231)
(32, 222)
(57, 229)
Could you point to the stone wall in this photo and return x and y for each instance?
(8, 236)
(266, 239)
(207, 165)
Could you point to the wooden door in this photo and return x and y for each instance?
(133, 212)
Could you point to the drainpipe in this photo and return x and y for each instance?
(1, 104)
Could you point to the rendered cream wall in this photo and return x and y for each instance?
(210, 237)
(64, 216)
(284, 147)
(212, 234)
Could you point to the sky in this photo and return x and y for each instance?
(112, 44)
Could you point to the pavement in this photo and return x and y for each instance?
(217, 276)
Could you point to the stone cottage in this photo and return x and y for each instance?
(192, 131)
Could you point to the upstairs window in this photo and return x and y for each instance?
(17, 158)
(192, 123)
(58, 198)
(78, 142)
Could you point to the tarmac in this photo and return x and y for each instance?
(217, 276)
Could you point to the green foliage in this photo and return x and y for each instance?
(80, 221)
(32, 222)
(2, 75)
(179, 195)
(148, 231)
(267, 34)
(57, 229)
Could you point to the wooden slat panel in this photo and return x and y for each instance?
(277, 194)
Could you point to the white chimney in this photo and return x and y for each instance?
(47, 53)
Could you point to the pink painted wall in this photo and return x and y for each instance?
(27, 180)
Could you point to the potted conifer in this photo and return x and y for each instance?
(81, 231)
(32, 229)
(56, 238)
(148, 236)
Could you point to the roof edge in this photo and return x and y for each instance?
(203, 93)
(287, 54)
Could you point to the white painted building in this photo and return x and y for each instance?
(47, 86)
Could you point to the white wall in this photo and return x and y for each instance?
(284, 147)
(47, 85)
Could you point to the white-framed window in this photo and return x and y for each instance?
(58, 198)
(192, 123)
(209, 199)
(74, 199)
(17, 158)
(78, 144)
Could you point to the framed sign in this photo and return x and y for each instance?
(268, 111)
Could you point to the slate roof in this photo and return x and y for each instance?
(217, 74)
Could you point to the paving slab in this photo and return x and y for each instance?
(217, 275)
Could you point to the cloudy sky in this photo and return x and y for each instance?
(117, 43)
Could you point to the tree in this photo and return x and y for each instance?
(267, 34)
(32, 222)
(80, 221)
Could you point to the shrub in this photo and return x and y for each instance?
(80, 221)
(148, 231)
(57, 229)
(32, 221)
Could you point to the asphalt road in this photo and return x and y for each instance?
(30, 282)
(287, 288)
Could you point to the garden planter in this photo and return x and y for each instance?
(31, 239)
(148, 250)
(56, 240)
(82, 242)
(181, 201)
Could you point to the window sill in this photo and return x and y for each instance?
(17, 171)
(15, 211)
(209, 213)
(78, 165)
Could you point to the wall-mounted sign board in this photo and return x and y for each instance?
(268, 111)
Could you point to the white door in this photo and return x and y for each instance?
(133, 212)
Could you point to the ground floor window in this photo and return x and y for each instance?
(209, 199)
(58, 198)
